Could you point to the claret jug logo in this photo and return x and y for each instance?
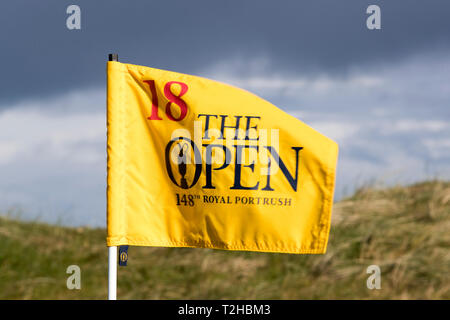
(220, 142)
(183, 148)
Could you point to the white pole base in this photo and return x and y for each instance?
(112, 273)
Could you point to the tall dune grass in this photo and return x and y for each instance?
(404, 230)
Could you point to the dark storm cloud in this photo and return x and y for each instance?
(40, 56)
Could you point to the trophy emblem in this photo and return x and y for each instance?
(182, 166)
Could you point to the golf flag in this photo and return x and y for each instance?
(197, 163)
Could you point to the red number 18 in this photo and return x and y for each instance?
(175, 99)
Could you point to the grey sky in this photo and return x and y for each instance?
(383, 95)
(41, 57)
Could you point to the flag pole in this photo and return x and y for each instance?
(112, 251)
(112, 273)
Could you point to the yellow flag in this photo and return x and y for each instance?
(197, 163)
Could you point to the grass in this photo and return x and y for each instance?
(404, 230)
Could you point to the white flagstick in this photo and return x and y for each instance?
(112, 273)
